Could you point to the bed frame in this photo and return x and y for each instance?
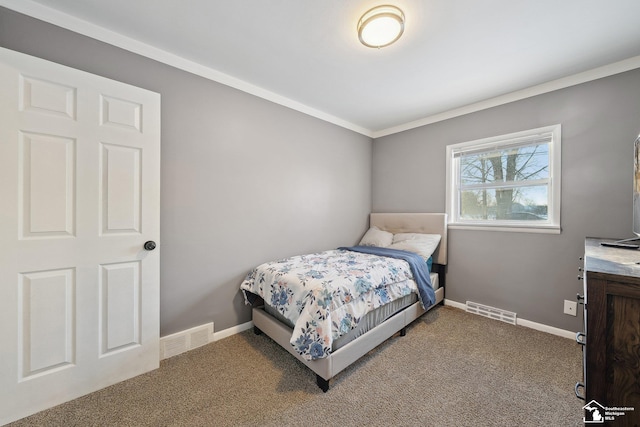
(328, 367)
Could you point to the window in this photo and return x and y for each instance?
(510, 182)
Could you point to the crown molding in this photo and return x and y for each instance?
(55, 17)
(66, 21)
(576, 79)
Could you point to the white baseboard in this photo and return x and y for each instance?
(455, 304)
(232, 331)
(180, 342)
(174, 344)
(546, 328)
(523, 322)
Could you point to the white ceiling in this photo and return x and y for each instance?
(305, 53)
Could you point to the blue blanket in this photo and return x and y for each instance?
(416, 263)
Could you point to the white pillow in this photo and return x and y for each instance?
(400, 237)
(376, 237)
(422, 244)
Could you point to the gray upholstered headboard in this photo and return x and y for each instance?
(428, 223)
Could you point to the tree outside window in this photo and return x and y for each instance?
(513, 179)
(505, 184)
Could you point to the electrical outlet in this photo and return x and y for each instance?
(570, 307)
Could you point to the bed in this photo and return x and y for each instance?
(330, 332)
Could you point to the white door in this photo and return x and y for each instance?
(79, 197)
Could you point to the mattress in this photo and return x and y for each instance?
(325, 294)
(368, 321)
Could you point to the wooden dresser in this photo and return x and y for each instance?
(612, 329)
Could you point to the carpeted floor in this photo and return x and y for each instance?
(451, 369)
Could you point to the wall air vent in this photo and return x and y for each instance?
(491, 312)
(178, 343)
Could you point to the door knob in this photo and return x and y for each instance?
(150, 245)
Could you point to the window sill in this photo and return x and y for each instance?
(516, 228)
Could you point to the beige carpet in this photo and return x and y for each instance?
(451, 369)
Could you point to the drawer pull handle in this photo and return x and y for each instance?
(578, 395)
(581, 338)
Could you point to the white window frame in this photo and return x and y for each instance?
(551, 225)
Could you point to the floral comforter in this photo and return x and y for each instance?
(325, 294)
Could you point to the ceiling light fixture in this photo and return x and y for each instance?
(381, 26)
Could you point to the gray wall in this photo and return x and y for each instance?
(243, 180)
(530, 274)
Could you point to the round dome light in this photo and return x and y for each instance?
(381, 26)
